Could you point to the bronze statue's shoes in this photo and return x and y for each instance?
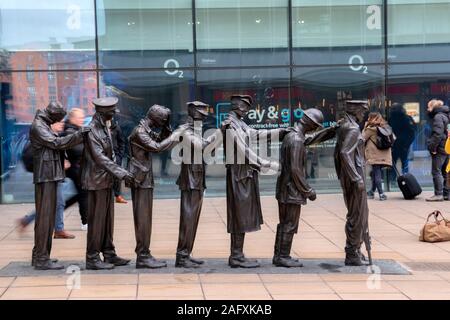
(245, 259)
(361, 255)
(186, 263)
(235, 263)
(196, 261)
(47, 265)
(353, 261)
(157, 260)
(149, 263)
(287, 262)
(33, 261)
(98, 265)
(117, 261)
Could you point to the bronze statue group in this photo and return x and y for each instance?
(153, 134)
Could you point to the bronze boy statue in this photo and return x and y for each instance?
(292, 188)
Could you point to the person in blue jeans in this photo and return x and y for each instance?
(377, 158)
(60, 233)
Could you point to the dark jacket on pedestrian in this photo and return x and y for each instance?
(47, 146)
(403, 127)
(439, 121)
(118, 141)
(75, 153)
(97, 166)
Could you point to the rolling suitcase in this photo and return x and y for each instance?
(408, 185)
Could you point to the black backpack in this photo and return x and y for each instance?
(385, 138)
(27, 156)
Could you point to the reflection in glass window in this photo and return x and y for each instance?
(19, 101)
(333, 31)
(326, 89)
(270, 91)
(137, 91)
(139, 34)
(418, 30)
(242, 32)
(411, 86)
(47, 33)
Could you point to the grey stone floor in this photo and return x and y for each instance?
(310, 266)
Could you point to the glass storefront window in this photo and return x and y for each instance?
(337, 32)
(166, 52)
(418, 30)
(21, 95)
(137, 91)
(242, 33)
(412, 86)
(47, 34)
(145, 34)
(326, 88)
(270, 91)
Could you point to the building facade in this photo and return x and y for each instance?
(289, 55)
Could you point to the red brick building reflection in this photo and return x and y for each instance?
(32, 90)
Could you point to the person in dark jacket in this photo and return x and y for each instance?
(98, 170)
(404, 129)
(349, 160)
(48, 171)
(119, 149)
(73, 124)
(244, 212)
(439, 115)
(191, 182)
(144, 141)
(292, 189)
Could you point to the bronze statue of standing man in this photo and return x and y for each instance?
(349, 161)
(98, 170)
(145, 140)
(191, 183)
(48, 171)
(243, 200)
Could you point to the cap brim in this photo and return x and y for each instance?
(313, 121)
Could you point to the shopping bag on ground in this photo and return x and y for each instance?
(437, 230)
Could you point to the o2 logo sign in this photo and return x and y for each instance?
(373, 22)
(356, 63)
(172, 67)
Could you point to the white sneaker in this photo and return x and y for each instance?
(84, 227)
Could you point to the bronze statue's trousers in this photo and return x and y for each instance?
(45, 198)
(357, 214)
(142, 213)
(100, 224)
(289, 215)
(191, 206)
